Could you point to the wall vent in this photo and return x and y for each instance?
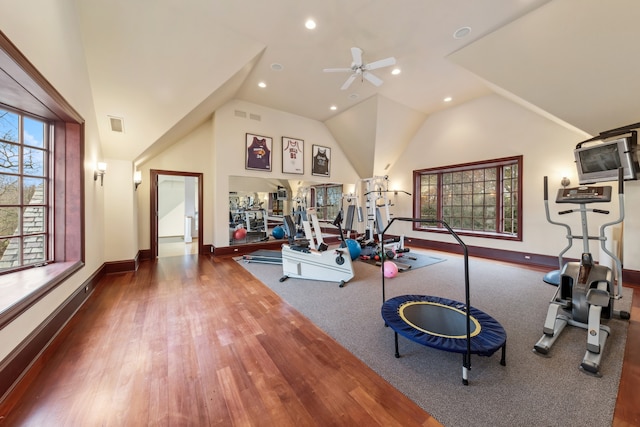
(117, 124)
(239, 113)
(255, 117)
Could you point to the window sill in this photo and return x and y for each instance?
(22, 289)
(483, 234)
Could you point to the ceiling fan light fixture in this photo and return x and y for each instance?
(396, 71)
(361, 70)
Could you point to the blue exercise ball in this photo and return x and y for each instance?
(354, 248)
(278, 232)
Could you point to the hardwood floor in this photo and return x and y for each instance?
(188, 341)
(196, 341)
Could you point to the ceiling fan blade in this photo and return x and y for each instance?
(381, 63)
(337, 70)
(372, 78)
(356, 53)
(350, 80)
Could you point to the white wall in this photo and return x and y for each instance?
(229, 152)
(171, 206)
(493, 127)
(217, 148)
(46, 32)
(120, 232)
(193, 153)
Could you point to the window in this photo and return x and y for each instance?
(41, 165)
(24, 201)
(327, 200)
(480, 199)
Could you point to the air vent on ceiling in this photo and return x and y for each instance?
(239, 113)
(255, 117)
(117, 124)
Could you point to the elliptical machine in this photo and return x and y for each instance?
(586, 291)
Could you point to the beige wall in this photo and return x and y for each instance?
(192, 153)
(486, 128)
(217, 148)
(494, 127)
(120, 226)
(229, 156)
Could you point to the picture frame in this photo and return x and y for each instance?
(292, 155)
(258, 151)
(321, 161)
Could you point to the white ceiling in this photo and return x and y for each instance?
(164, 66)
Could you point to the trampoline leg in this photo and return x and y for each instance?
(503, 359)
(395, 334)
(466, 366)
(465, 376)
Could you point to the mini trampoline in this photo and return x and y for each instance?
(442, 323)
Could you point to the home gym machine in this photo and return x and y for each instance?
(375, 192)
(311, 258)
(586, 291)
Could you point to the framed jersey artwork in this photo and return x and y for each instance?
(321, 161)
(258, 152)
(292, 155)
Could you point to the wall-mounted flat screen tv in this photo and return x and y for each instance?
(600, 161)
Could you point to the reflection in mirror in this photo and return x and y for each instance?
(257, 205)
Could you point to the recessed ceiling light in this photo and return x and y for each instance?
(461, 32)
(262, 84)
(448, 99)
(333, 108)
(396, 71)
(310, 24)
(277, 67)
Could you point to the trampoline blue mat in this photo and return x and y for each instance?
(441, 323)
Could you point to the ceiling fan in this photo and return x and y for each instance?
(359, 69)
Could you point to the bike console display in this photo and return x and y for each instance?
(584, 195)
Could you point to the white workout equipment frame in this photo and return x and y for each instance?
(315, 260)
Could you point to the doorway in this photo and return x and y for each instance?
(176, 213)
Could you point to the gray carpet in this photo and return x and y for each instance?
(530, 390)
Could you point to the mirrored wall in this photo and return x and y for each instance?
(257, 205)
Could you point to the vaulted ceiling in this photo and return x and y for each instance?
(164, 66)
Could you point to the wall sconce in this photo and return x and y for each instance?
(101, 169)
(565, 182)
(137, 179)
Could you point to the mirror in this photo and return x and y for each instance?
(257, 205)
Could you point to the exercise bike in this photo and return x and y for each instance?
(586, 291)
(311, 258)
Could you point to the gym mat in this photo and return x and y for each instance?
(410, 261)
(264, 256)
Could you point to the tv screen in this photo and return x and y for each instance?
(600, 162)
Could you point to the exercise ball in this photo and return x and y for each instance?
(240, 234)
(278, 232)
(354, 248)
(390, 269)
